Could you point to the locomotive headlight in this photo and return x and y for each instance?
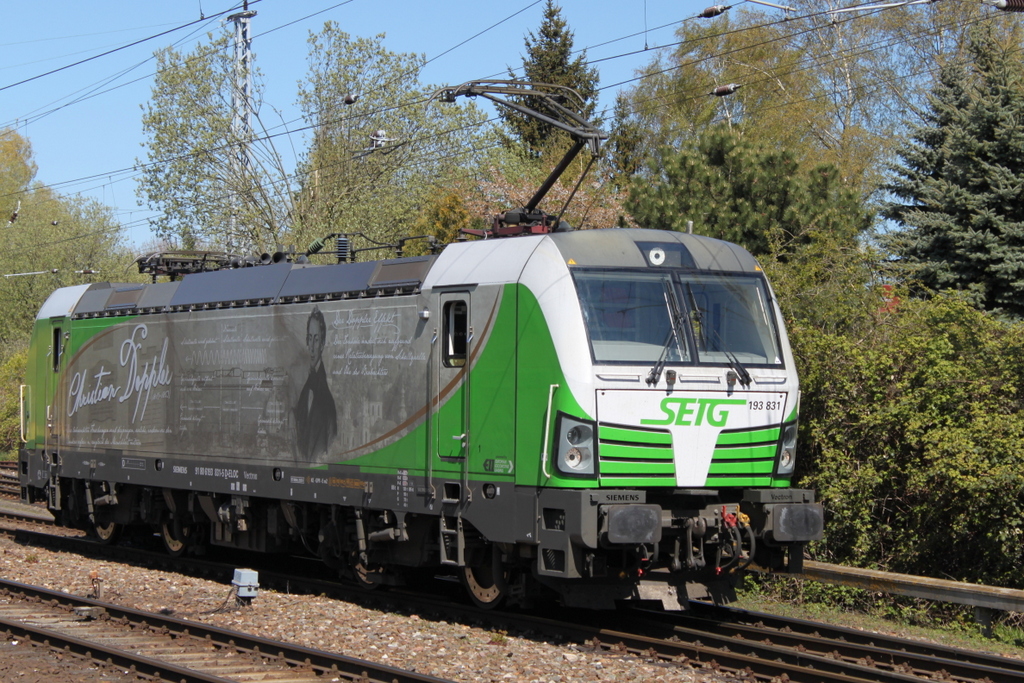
(787, 454)
(578, 434)
(575, 447)
(578, 459)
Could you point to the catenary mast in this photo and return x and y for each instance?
(241, 107)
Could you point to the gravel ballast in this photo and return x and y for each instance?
(447, 650)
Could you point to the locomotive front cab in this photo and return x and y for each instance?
(683, 443)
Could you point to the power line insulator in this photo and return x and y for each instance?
(714, 11)
(1006, 5)
(723, 90)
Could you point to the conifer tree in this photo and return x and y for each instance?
(803, 224)
(959, 182)
(747, 193)
(549, 59)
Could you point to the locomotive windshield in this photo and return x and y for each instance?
(628, 315)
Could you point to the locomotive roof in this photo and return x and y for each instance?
(631, 249)
(254, 286)
(466, 263)
(502, 260)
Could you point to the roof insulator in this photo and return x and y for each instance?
(714, 11)
(723, 90)
(1006, 5)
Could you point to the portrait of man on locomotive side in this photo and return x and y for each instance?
(316, 415)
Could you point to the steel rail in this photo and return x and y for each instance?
(849, 635)
(883, 653)
(104, 654)
(296, 655)
(734, 647)
(940, 590)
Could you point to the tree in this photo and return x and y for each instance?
(960, 181)
(51, 238)
(443, 217)
(193, 173)
(735, 190)
(509, 180)
(16, 170)
(549, 59)
(831, 88)
(803, 224)
(382, 148)
(912, 434)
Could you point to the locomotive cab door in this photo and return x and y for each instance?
(455, 335)
(52, 393)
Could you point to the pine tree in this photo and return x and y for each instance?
(747, 193)
(549, 59)
(803, 224)
(960, 182)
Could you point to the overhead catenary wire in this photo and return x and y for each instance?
(134, 169)
(837, 57)
(131, 171)
(300, 129)
(33, 117)
(112, 51)
(141, 221)
(679, 96)
(209, 20)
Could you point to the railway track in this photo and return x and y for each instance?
(9, 485)
(819, 647)
(170, 649)
(754, 646)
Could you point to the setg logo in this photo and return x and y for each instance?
(696, 411)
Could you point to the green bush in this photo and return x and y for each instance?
(913, 435)
(12, 373)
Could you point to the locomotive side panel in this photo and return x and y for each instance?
(298, 384)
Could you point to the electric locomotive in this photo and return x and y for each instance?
(574, 410)
(598, 415)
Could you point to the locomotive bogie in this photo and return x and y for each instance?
(573, 412)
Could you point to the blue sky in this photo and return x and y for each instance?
(89, 146)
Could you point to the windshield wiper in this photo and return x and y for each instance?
(734, 363)
(654, 376)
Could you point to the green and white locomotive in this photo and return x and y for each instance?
(598, 415)
(605, 414)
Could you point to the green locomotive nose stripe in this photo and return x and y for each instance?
(748, 468)
(642, 436)
(766, 452)
(753, 436)
(635, 480)
(635, 457)
(623, 451)
(613, 467)
(739, 480)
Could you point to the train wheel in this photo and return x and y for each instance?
(487, 584)
(107, 532)
(366, 577)
(176, 537)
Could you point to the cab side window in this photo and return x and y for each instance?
(57, 348)
(456, 319)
